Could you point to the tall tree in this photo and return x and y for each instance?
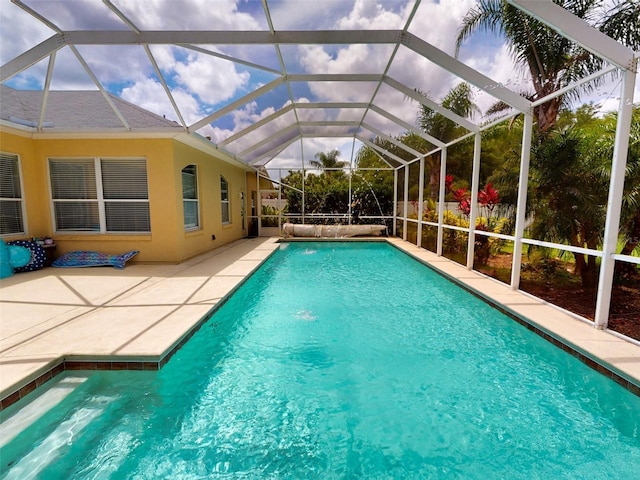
(568, 197)
(552, 60)
(460, 101)
(599, 140)
(372, 184)
(328, 160)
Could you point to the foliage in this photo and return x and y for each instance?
(327, 192)
(552, 60)
(598, 140)
(328, 160)
(269, 216)
(568, 197)
(459, 100)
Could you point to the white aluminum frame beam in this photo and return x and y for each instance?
(614, 202)
(408, 126)
(256, 125)
(382, 151)
(392, 140)
(521, 207)
(237, 104)
(32, 56)
(274, 151)
(36, 15)
(465, 72)
(163, 82)
(574, 85)
(426, 101)
(45, 93)
(234, 37)
(229, 58)
(327, 105)
(269, 139)
(121, 15)
(334, 77)
(104, 93)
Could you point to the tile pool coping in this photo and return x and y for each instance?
(219, 273)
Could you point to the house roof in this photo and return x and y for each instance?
(76, 111)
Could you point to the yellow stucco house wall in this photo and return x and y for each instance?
(165, 158)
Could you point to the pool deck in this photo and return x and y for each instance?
(94, 318)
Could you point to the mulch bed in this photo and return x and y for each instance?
(624, 316)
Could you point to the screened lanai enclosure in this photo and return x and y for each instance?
(387, 113)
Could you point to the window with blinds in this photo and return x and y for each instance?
(11, 203)
(224, 199)
(100, 195)
(190, 198)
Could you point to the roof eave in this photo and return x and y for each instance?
(177, 133)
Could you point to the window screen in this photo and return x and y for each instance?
(190, 197)
(11, 207)
(224, 198)
(100, 195)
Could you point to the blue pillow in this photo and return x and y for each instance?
(38, 255)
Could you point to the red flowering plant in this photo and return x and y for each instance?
(488, 198)
(448, 182)
(414, 205)
(463, 198)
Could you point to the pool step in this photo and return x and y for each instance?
(21, 419)
(31, 465)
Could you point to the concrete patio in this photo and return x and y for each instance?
(101, 317)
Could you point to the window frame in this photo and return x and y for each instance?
(191, 227)
(21, 199)
(101, 202)
(225, 201)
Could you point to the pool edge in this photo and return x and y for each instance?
(79, 362)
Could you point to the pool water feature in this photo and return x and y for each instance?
(343, 360)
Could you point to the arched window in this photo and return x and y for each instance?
(190, 198)
(224, 200)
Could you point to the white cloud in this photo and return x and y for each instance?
(437, 22)
(151, 96)
(133, 64)
(245, 117)
(315, 15)
(192, 15)
(212, 79)
(368, 15)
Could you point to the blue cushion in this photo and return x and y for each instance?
(38, 255)
(93, 259)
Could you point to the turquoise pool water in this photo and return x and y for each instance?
(336, 361)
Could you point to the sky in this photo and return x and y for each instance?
(203, 80)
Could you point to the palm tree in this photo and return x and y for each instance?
(621, 22)
(568, 197)
(600, 139)
(329, 190)
(328, 160)
(552, 60)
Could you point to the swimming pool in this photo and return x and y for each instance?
(343, 361)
